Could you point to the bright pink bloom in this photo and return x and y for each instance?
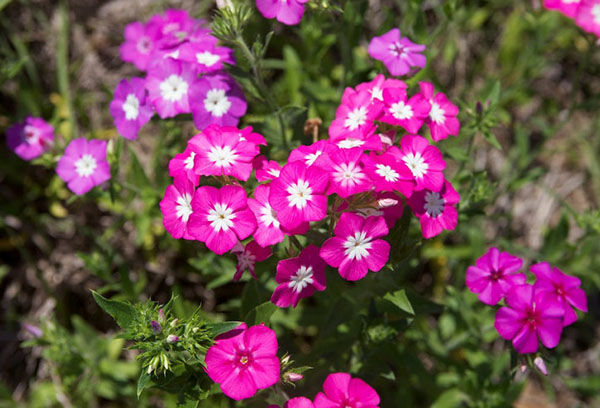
(221, 153)
(397, 53)
(183, 163)
(409, 114)
(247, 135)
(206, 56)
(423, 160)
(436, 210)
(176, 207)
(266, 170)
(169, 83)
(354, 117)
(442, 119)
(355, 249)
(343, 391)
(376, 87)
(288, 12)
(299, 277)
(244, 361)
(84, 165)
(217, 99)
(221, 217)
(298, 194)
(568, 7)
(140, 43)
(175, 26)
(388, 174)
(248, 257)
(299, 402)
(129, 108)
(315, 154)
(30, 138)
(369, 142)
(494, 274)
(269, 230)
(561, 288)
(588, 16)
(527, 317)
(346, 174)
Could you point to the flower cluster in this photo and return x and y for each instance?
(532, 311)
(585, 13)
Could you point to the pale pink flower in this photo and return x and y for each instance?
(84, 165)
(217, 99)
(140, 42)
(169, 83)
(410, 114)
(248, 257)
(315, 154)
(340, 390)
(442, 119)
(398, 53)
(288, 12)
(423, 160)
(176, 207)
(436, 210)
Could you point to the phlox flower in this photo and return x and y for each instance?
(423, 160)
(84, 165)
(129, 107)
(560, 288)
(494, 274)
(355, 249)
(388, 174)
(30, 138)
(568, 7)
(376, 87)
(248, 257)
(140, 43)
(183, 163)
(220, 217)
(288, 12)
(298, 194)
(168, 83)
(346, 174)
(174, 27)
(340, 390)
(299, 402)
(221, 153)
(206, 56)
(243, 361)
(265, 169)
(370, 142)
(299, 277)
(442, 119)
(176, 207)
(217, 99)
(529, 315)
(436, 210)
(354, 117)
(410, 114)
(315, 154)
(588, 16)
(398, 53)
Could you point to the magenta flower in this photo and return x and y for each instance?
(288, 12)
(265, 169)
(221, 153)
(343, 391)
(376, 87)
(442, 119)
(30, 138)
(140, 43)
(298, 195)
(269, 230)
(388, 174)
(560, 288)
(370, 142)
(299, 277)
(84, 165)
(168, 84)
(346, 174)
(247, 135)
(355, 249)
(182, 165)
(423, 160)
(588, 16)
(529, 316)
(217, 99)
(244, 361)
(315, 154)
(206, 56)
(175, 26)
(409, 114)
(248, 257)
(129, 107)
(355, 116)
(494, 274)
(398, 53)
(436, 210)
(568, 7)
(220, 217)
(176, 207)
(299, 402)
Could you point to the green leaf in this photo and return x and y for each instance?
(491, 138)
(142, 382)
(214, 329)
(123, 313)
(260, 314)
(451, 398)
(400, 300)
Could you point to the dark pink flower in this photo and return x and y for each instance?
(248, 257)
(442, 119)
(398, 53)
(299, 402)
(140, 43)
(315, 154)
(217, 99)
(376, 87)
(346, 174)
(288, 12)
(129, 108)
(388, 174)
(568, 7)
(494, 274)
(84, 165)
(355, 116)
(266, 170)
(176, 207)
(183, 163)
(588, 16)
(340, 390)
(409, 114)
(175, 26)
(436, 210)
(30, 138)
(423, 160)
(168, 83)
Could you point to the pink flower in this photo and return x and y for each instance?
(266, 170)
(369, 142)
(376, 87)
(397, 53)
(388, 174)
(354, 117)
(140, 43)
(527, 317)
(129, 107)
(346, 174)
(299, 277)
(217, 99)
(436, 210)
(244, 361)
(247, 135)
(174, 27)
(288, 12)
(423, 160)
(269, 230)
(409, 114)
(442, 119)
(354, 249)
(315, 154)
(168, 83)
(30, 138)
(560, 288)
(176, 207)
(206, 56)
(248, 257)
(494, 274)
(221, 153)
(299, 402)
(588, 16)
(84, 165)
(343, 391)
(568, 7)
(183, 163)
(298, 195)
(220, 217)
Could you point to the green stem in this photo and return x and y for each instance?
(62, 65)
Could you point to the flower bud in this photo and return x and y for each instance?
(161, 316)
(387, 202)
(156, 327)
(174, 322)
(33, 330)
(171, 338)
(224, 3)
(540, 365)
(285, 360)
(292, 376)
(479, 108)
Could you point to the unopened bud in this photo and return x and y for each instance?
(523, 367)
(285, 360)
(171, 338)
(479, 108)
(156, 327)
(33, 330)
(540, 365)
(293, 377)
(174, 322)
(224, 3)
(386, 202)
(161, 316)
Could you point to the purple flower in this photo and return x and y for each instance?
(206, 56)
(174, 26)
(493, 275)
(288, 12)
(30, 138)
(398, 53)
(168, 84)
(129, 107)
(217, 99)
(140, 43)
(84, 165)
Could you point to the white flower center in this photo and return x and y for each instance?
(207, 58)
(131, 107)
(348, 174)
(85, 165)
(221, 217)
(302, 278)
(596, 14)
(144, 45)
(356, 118)
(300, 194)
(173, 88)
(397, 49)
(377, 93)
(216, 102)
(434, 204)
(268, 216)
(350, 143)
(309, 159)
(357, 246)
(189, 161)
(222, 156)
(416, 163)
(32, 135)
(401, 111)
(184, 207)
(437, 114)
(385, 171)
